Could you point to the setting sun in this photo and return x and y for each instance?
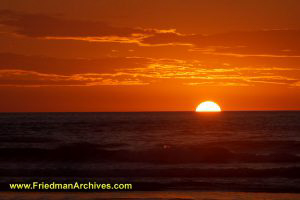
(208, 106)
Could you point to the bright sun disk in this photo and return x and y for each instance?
(208, 106)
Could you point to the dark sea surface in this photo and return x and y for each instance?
(156, 151)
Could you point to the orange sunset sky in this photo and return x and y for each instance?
(149, 55)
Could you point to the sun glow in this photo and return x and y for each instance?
(208, 106)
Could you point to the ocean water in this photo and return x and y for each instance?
(156, 151)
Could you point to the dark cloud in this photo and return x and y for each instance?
(235, 43)
(41, 25)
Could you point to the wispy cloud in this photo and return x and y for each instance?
(22, 78)
(38, 71)
(67, 66)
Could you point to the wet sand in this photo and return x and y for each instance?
(170, 195)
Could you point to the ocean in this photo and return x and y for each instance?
(155, 151)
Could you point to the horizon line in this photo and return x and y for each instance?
(145, 111)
